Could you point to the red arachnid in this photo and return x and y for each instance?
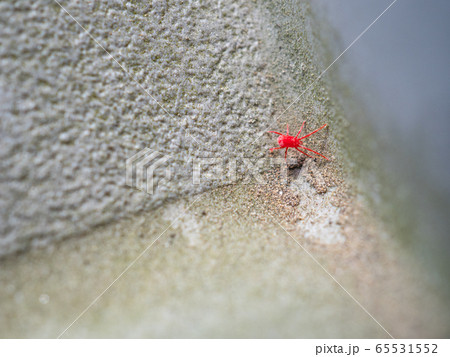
(287, 141)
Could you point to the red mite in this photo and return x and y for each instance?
(287, 141)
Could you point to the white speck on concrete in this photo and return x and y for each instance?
(44, 299)
(320, 217)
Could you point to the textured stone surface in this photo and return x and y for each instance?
(71, 116)
(220, 265)
(224, 263)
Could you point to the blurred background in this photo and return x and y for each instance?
(399, 70)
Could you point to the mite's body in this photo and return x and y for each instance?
(287, 141)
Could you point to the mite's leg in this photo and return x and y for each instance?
(301, 128)
(275, 132)
(315, 131)
(287, 129)
(275, 149)
(285, 154)
(315, 152)
(303, 152)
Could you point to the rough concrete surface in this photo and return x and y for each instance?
(220, 259)
(221, 264)
(71, 116)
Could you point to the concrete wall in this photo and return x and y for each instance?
(189, 79)
(71, 116)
